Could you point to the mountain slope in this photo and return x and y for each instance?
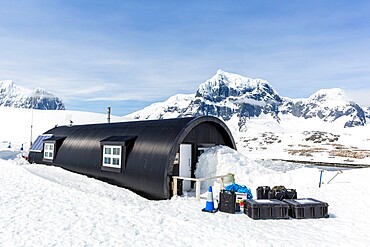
(228, 95)
(171, 108)
(224, 95)
(328, 105)
(13, 95)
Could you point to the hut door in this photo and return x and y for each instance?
(185, 165)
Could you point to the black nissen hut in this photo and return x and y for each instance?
(140, 155)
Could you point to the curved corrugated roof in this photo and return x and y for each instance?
(150, 158)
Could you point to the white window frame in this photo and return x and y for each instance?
(49, 151)
(112, 156)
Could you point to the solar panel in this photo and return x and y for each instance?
(37, 145)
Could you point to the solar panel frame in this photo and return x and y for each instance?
(38, 144)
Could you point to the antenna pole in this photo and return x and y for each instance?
(108, 114)
(31, 127)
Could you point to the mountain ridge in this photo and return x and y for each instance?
(226, 95)
(13, 95)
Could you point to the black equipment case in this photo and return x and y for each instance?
(266, 209)
(281, 194)
(307, 208)
(262, 192)
(227, 203)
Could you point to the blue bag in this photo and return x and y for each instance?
(240, 189)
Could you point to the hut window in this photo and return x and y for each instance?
(49, 151)
(114, 152)
(112, 156)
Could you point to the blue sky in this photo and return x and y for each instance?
(128, 54)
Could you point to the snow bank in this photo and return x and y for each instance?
(221, 160)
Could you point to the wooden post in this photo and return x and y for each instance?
(174, 192)
(197, 189)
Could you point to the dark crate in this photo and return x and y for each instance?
(266, 209)
(307, 208)
(227, 202)
(276, 194)
(262, 192)
(290, 194)
(282, 194)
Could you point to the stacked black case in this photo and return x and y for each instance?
(282, 194)
(307, 208)
(266, 209)
(262, 192)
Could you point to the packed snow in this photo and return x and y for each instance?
(47, 206)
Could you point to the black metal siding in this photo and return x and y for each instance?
(149, 164)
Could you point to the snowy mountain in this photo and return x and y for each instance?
(328, 105)
(13, 95)
(173, 107)
(367, 112)
(228, 95)
(224, 95)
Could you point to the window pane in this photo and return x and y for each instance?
(116, 151)
(49, 147)
(115, 161)
(48, 154)
(106, 160)
(107, 150)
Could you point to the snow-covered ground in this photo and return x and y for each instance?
(303, 139)
(48, 206)
(15, 124)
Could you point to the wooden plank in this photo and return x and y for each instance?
(197, 190)
(174, 192)
(197, 183)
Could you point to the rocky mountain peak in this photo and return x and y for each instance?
(227, 95)
(328, 105)
(6, 86)
(334, 95)
(223, 85)
(13, 95)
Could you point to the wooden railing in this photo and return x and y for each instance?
(198, 182)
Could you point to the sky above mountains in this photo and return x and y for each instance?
(128, 54)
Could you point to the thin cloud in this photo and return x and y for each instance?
(82, 53)
(360, 96)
